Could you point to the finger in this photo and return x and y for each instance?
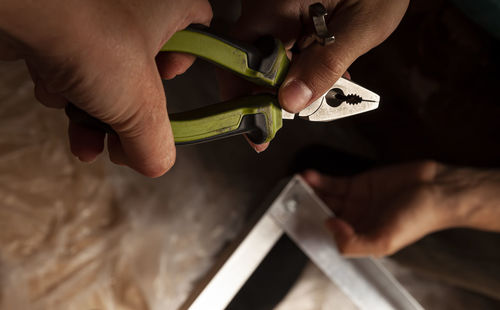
(399, 176)
(46, 98)
(129, 96)
(326, 185)
(357, 29)
(257, 147)
(115, 150)
(234, 87)
(347, 75)
(342, 232)
(362, 246)
(144, 132)
(171, 64)
(333, 191)
(85, 143)
(349, 243)
(49, 100)
(352, 244)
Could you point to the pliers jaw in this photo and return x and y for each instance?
(343, 99)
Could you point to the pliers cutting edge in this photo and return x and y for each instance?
(258, 116)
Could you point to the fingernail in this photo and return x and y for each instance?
(295, 95)
(259, 148)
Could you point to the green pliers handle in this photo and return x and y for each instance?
(263, 63)
(258, 116)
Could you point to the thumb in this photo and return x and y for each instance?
(342, 232)
(316, 69)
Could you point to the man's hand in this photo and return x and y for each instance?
(383, 210)
(357, 25)
(100, 55)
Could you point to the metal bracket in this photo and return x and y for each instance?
(299, 213)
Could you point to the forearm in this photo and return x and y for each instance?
(473, 197)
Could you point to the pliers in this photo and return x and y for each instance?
(258, 116)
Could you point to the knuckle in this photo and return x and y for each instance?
(139, 119)
(333, 66)
(426, 194)
(330, 69)
(427, 170)
(65, 77)
(201, 12)
(207, 8)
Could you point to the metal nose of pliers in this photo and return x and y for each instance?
(343, 99)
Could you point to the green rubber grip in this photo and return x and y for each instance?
(266, 63)
(257, 116)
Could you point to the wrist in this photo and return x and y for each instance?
(470, 198)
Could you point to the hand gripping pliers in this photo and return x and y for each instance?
(258, 116)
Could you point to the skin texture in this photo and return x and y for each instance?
(358, 26)
(100, 55)
(383, 210)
